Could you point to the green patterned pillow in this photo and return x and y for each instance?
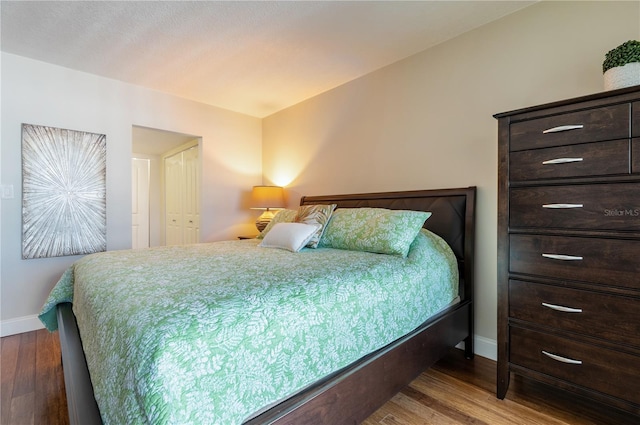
(317, 215)
(377, 230)
(282, 216)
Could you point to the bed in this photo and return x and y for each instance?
(347, 393)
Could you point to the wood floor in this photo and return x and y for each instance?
(32, 388)
(454, 391)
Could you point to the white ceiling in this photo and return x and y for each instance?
(254, 57)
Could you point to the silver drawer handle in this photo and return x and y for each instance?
(562, 206)
(563, 128)
(562, 257)
(561, 161)
(561, 359)
(562, 308)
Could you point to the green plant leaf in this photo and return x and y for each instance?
(625, 53)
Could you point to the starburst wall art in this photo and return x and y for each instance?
(63, 192)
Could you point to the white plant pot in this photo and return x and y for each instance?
(622, 76)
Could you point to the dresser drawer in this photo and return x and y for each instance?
(610, 317)
(611, 372)
(589, 159)
(605, 123)
(614, 206)
(611, 262)
(635, 155)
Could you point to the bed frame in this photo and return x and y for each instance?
(352, 394)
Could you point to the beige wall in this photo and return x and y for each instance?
(426, 122)
(38, 93)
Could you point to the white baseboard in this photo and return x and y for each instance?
(484, 347)
(20, 325)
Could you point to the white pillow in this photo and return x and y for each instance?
(290, 236)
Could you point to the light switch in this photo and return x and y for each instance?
(7, 191)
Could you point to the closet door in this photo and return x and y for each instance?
(191, 195)
(173, 199)
(182, 197)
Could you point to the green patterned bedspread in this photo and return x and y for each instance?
(211, 333)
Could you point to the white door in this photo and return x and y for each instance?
(140, 203)
(182, 197)
(191, 195)
(173, 199)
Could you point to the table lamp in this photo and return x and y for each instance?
(266, 198)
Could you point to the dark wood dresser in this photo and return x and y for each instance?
(569, 246)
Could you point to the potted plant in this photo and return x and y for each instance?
(621, 66)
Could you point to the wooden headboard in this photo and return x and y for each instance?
(452, 218)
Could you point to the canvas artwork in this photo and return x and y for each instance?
(63, 192)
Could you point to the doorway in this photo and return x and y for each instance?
(152, 145)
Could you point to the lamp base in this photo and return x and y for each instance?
(264, 219)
